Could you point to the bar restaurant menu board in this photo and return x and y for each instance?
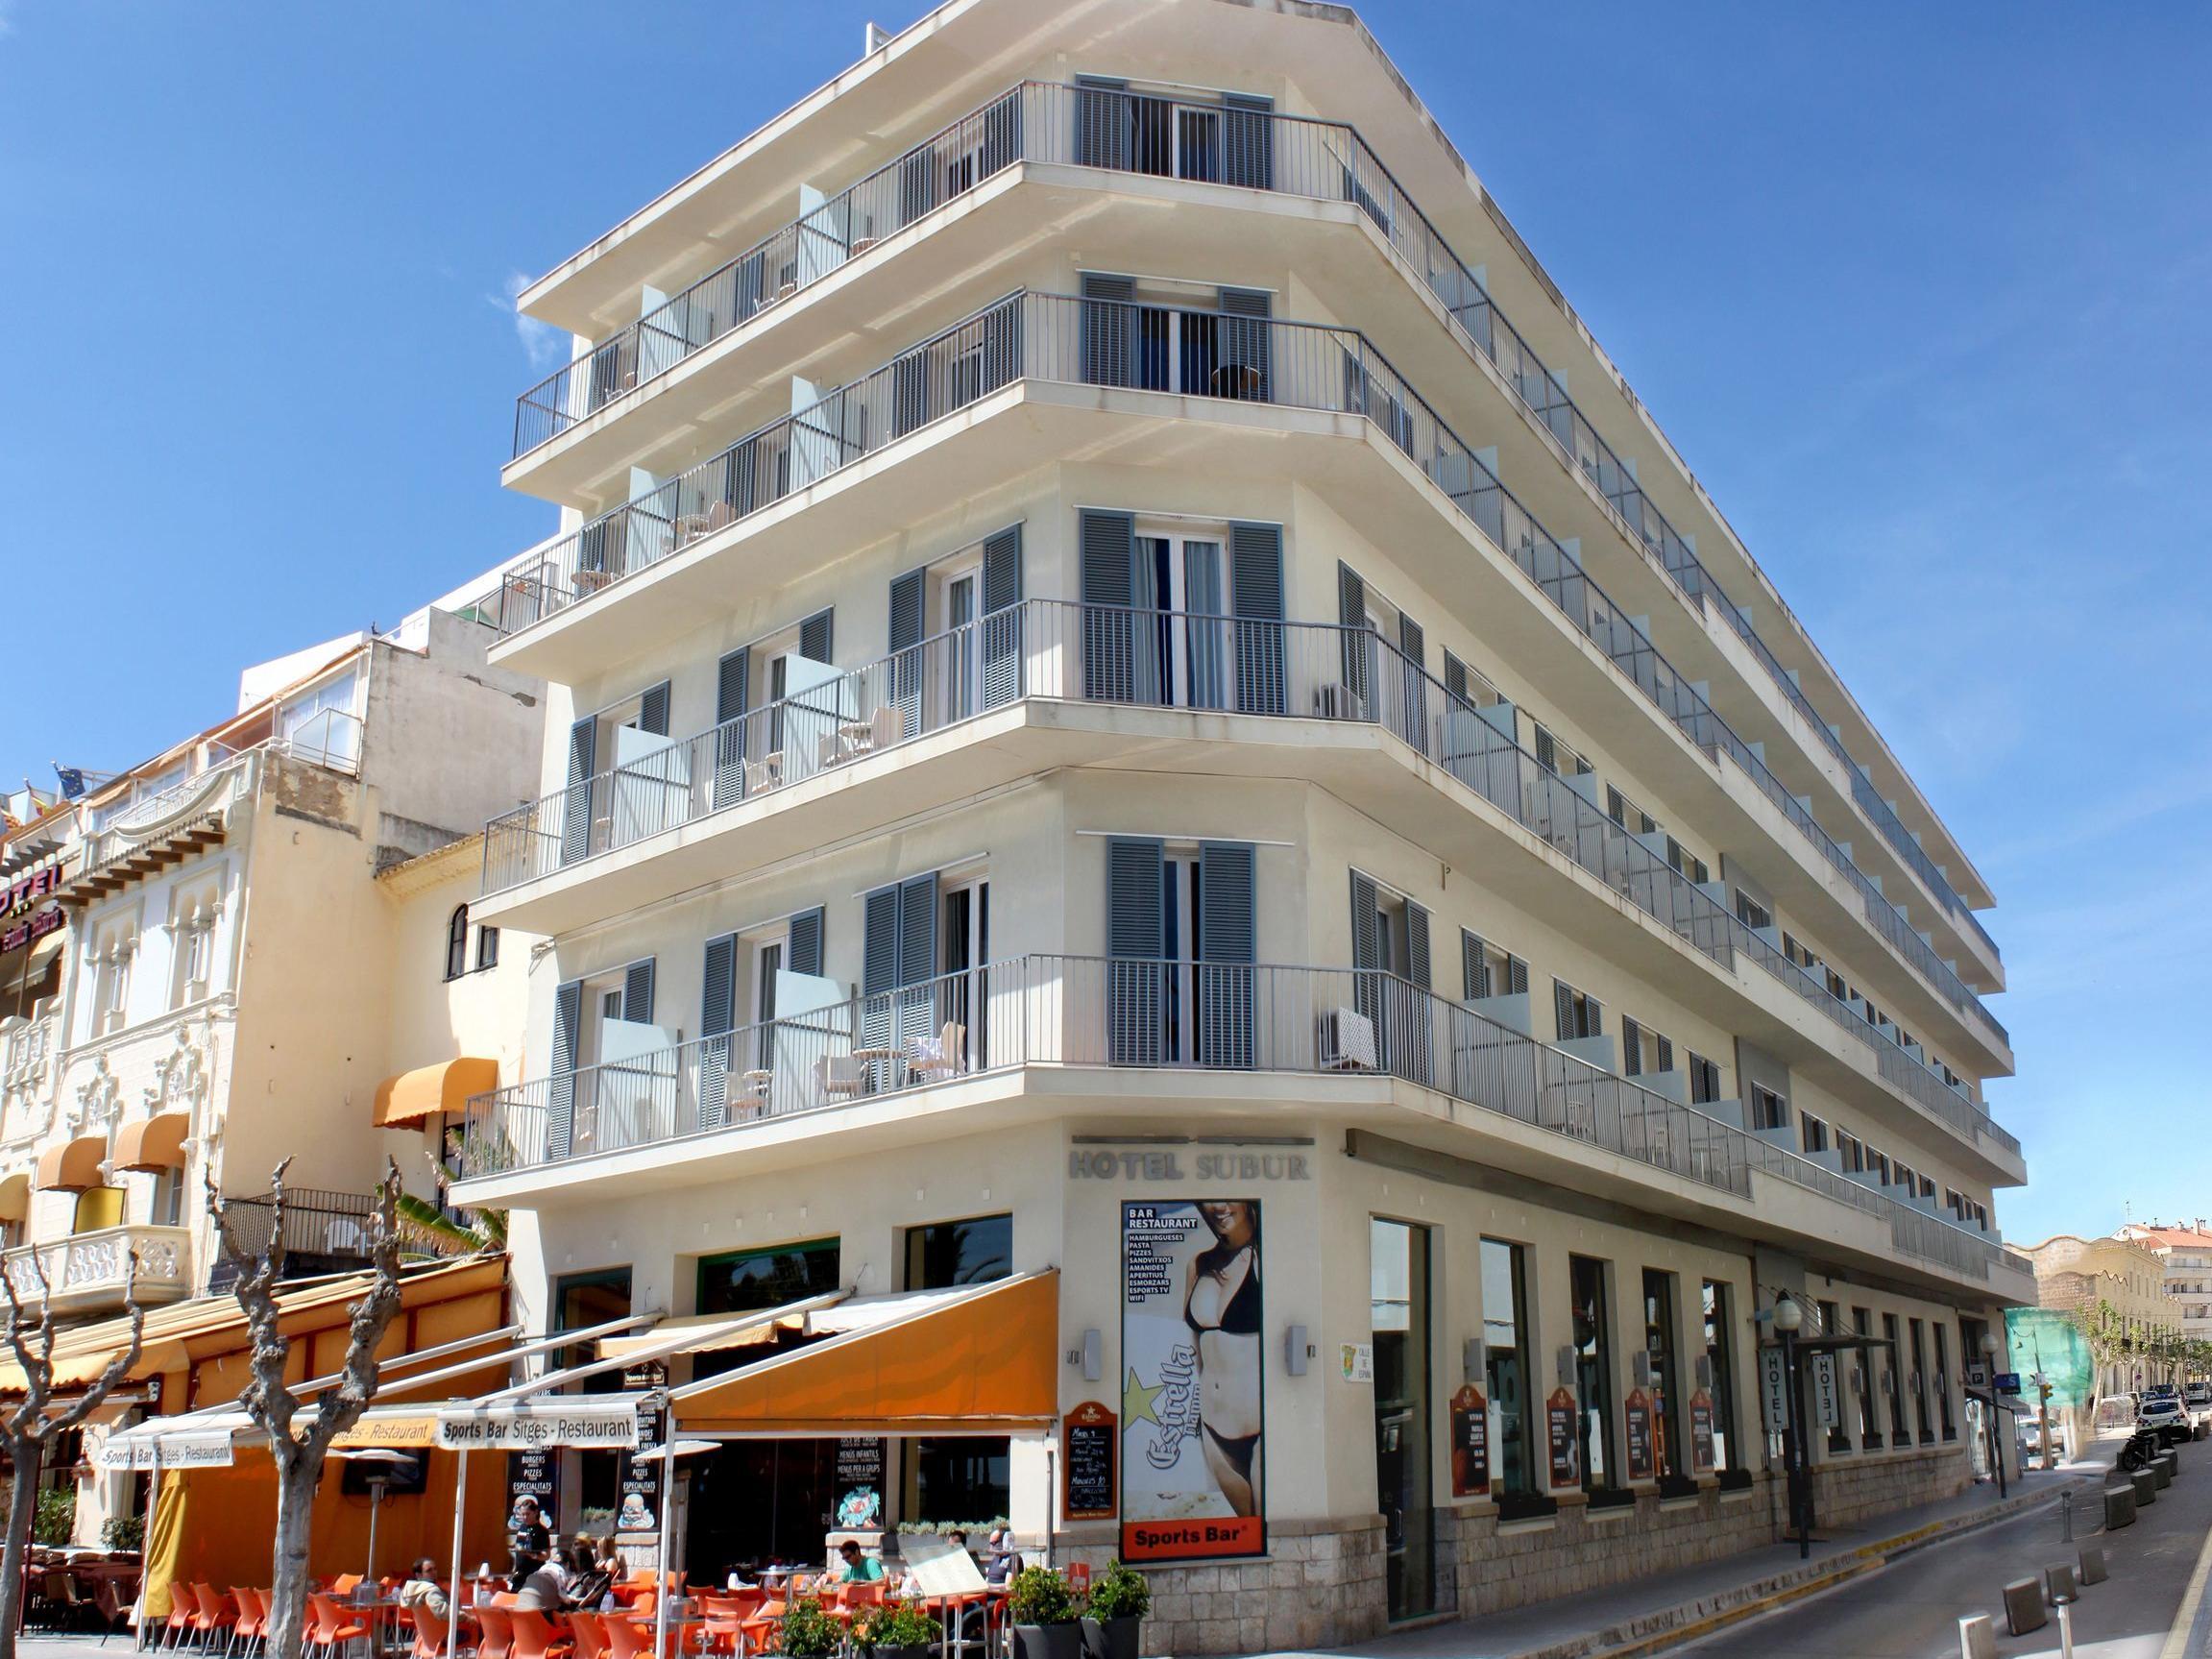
(1470, 1443)
(639, 1519)
(1701, 1457)
(535, 1473)
(860, 1462)
(1088, 1440)
(1642, 1464)
(1560, 1412)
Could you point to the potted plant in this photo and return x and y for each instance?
(897, 1630)
(1043, 1614)
(807, 1632)
(1120, 1598)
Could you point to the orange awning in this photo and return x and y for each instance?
(156, 1142)
(74, 1165)
(404, 1101)
(980, 1361)
(15, 1197)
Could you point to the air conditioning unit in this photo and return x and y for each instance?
(1338, 703)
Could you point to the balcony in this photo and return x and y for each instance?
(1337, 1027)
(1191, 354)
(89, 1273)
(846, 747)
(1137, 133)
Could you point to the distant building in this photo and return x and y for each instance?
(2074, 1274)
(2185, 1254)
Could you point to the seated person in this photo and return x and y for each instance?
(858, 1568)
(544, 1587)
(591, 1573)
(421, 1590)
(1001, 1559)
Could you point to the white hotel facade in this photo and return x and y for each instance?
(1115, 642)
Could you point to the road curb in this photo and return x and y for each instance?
(1686, 1621)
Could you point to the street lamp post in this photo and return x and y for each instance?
(1989, 1347)
(1788, 1321)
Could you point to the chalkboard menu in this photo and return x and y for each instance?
(639, 1519)
(1701, 1433)
(860, 1498)
(1088, 1440)
(536, 1473)
(1642, 1464)
(1559, 1421)
(1470, 1443)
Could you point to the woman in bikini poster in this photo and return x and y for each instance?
(1193, 1465)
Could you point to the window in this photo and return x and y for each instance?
(1768, 1109)
(115, 943)
(946, 1254)
(1593, 1369)
(1878, 1165)
(747, 1281)
(1943, 1383)
(1893, 1369)
(1398, 1324)
(1627, 813)
(1751, 913)
(1814, 1133)
(1704, 1081)
(320, 724)
(487, 948)
(1659, 1347)
(167, 1206)
(192, 916)
(1831, 1320)
(98, 1207)
(1851, 1152)
(1687, 862)
(1555, 756)
(1486, 970)
(1505, 1357)
(580, 1301)
(1579, 1014)
(1643, 1051)
(458, 943)
(1869, 1434)
(1720, 1360)
(1904, 1177)
(1919, 1380)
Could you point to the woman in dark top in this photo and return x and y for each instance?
(1222, 1306)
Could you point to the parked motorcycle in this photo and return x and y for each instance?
(2144, 1445)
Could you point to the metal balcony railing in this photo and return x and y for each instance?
(1195, 354)
(328, 1223)
(1203, 142)
(1101, 653)
(1048, 1010)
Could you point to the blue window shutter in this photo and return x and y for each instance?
(803, 947)
(1358, 644)
(814, 641)
(1246, 342)
(907, 595)
(1103, 126)
(879, 964)
(654, 710)
(1002, 622)
(910, 393)
(1107, 330)
(1455, 677)
(638, 993)
(917, 957)
(1413, 697)
(1412, 1050)
(1417, 962)
(1230, 939)
(717, 1017)
(1136, 939)
(1257, 600)
(1108, 552)
(561, 1097)
(1563, 1010)
(910, 595)
(733, 685)
(1367, 955)
(1473, 967)
(1248, 141)
(1631, 1048)
(576, 801)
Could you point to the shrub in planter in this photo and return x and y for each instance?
(807, 1632)
(1119, 1601)
(1043, 1614)
(897, 1630)
(55, 1521)
(124, 1532)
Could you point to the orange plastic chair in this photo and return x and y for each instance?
(328, 1627)
(183, 1605)
(252, 1624)
(498, 1632)
(589, 1634)
(628, 1639)
(345, 1584)
(429, 1632)
(759, 1629)
(534, 1636)
(215, 1613)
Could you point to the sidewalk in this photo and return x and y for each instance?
(1668, 1608)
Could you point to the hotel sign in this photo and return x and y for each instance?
(26, 912)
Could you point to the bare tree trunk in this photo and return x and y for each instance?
(23, 1501)
(288, 1594)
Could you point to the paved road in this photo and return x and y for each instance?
(1910, 1609)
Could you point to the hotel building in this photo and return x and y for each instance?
(1132, 694)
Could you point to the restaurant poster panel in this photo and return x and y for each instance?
(1193, 1410)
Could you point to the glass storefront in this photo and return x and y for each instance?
(1398, 1320)
(1593, 1371)
(1505, 1347)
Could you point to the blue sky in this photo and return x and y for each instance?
(1918, 291)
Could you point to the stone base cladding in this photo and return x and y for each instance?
(1321, 1585)
(1860, 1485)
(1579, 1549)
